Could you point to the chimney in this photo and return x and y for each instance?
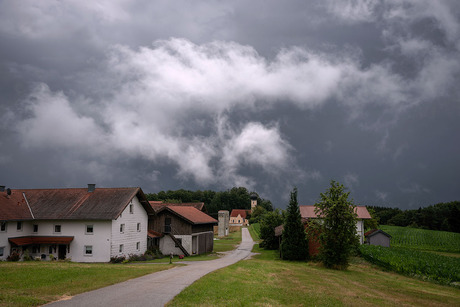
(2, 188)
(91, 187)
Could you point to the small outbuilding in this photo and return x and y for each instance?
(377, 237)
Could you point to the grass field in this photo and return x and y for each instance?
(35, 283)
(423, 239)
(227, 243)
(267, 281)
(254, 230)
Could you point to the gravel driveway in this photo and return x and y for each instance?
(157, 289)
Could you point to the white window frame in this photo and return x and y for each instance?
(121, 248)
(54, 228)
(88, 248)
(122, 228)
(139, 228)
(5, 226)
(89, 232)
(138, 245)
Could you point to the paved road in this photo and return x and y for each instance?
(157, 289)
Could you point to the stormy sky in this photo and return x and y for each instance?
(214, 94)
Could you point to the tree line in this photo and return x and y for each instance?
(234, 198)
(442, 216)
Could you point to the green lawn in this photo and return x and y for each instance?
(228, 243)
(35, 283)
(267, 281)
(254, 230)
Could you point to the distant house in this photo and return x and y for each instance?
(377, 237)
(86, 225)
(239, 217)
(181, 230)
(308, 212)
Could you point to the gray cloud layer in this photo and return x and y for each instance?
(214, 94)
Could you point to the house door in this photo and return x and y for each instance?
(62, 251)
(194, 244)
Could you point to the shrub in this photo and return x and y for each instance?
(117, 259)
(13, 257)
(27, 256)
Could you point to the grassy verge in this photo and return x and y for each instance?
(36, 283)
(265, 280)
(254, 230)
(227, 243)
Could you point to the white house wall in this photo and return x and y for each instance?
(99, 240)
(167, 245)
(130, 236)
(360, 230)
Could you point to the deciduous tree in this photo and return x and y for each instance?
(338, 236)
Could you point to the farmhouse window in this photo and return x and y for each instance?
(2, 226)
(35, 228)
(138, 245)
(120, 248)
(138, 227)
(122, 228)
(131, 208)
(88, 250)
(19, 226)
(89, 229)
(57, 228)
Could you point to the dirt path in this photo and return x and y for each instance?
(158, 288)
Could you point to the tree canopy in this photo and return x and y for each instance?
(337, 234)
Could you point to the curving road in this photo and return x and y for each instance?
(157, 289)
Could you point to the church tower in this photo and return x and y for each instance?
(253, 201)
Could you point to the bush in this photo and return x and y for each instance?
(13, 257)
(117, 259)
(27, 256)
(268, 223)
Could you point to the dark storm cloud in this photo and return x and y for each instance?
(210, 95)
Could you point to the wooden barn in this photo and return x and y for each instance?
(181, 230)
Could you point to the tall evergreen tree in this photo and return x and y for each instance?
(338, 236)
(294, 242)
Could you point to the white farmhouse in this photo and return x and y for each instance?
(85, 225)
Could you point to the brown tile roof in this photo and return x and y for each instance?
(21, 241)
(190, 214)
(69, 204)
(242, 212)
(157, 205)
(309, 212)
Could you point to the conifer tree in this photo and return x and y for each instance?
(294, 242)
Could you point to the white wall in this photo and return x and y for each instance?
(167, 245)
(360, 230)
(130, 235)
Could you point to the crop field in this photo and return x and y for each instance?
(423, 239)
(425, 265)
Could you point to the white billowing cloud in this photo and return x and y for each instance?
(352, 10)
(151, 97)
